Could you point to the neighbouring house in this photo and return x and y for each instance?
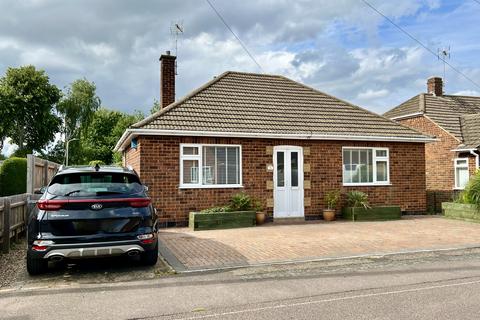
(275, 139)
(455, 121)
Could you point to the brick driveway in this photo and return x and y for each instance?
(188, 250)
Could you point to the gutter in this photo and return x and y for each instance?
(407, 116)
(472, 152)
(132, 132)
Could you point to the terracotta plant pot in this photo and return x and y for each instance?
(260, 217)
(329, 214)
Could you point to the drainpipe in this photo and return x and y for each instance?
(477, 160)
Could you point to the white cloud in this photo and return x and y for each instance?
(372, 94)
(467, 93)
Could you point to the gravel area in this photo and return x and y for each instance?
(12, 265)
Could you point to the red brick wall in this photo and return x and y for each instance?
(159, 169)
(438, 155)
(132, 157)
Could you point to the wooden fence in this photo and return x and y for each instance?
(15, 210)
(39, 172)
(13, 218)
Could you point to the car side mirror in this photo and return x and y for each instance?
(41, 190)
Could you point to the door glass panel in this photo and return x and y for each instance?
(294, 170)
(280, 169)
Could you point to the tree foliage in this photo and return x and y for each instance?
(78, 106)
(27, 101)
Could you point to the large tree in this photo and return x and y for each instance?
(100, 138)
(27, 101)
(77, 108)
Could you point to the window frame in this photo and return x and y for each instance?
(199, 157)
(456, 166)
(375, 159)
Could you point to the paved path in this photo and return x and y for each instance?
(188, 250)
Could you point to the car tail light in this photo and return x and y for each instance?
(140, 203)
(146, 238)
(41, 245)
(50, 205)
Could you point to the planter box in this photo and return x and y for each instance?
(226, 220)
(373, 214)
(461, 211)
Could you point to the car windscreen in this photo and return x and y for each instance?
(94, 184)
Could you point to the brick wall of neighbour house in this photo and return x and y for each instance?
(439, 157)
(132, 157)
(160, 166)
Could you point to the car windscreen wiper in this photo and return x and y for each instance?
(71, 192)
(108, 192)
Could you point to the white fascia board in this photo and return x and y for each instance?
(407, 116)
(131, 133)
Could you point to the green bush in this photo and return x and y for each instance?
(93, 163)
(357, 199)
(238, 202)
(13, 176)
(471, 193)
(217, 210)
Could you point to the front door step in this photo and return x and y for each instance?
(295, 220)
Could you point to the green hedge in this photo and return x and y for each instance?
(13, 176)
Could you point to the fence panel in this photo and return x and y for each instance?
(13, 218)
(39, 172)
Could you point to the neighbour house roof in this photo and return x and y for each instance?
(458, 115)
(267, 106)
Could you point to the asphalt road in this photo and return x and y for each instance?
(427, 287)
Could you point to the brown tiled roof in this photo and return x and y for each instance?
(447, 111)
(270, 104)
(471, 131)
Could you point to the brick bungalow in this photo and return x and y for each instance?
(275, 139)
(455, 121)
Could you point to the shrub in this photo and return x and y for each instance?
(217, 210)
(241, 202)
(471, 193)
(357, 199)
(13, 176)
(93, 163)
(331, 199)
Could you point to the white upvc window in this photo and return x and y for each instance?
(210, 166)
(461, 173)
(365, 166)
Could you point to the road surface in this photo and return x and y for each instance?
(426, 287)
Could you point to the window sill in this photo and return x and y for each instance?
(367, 184)
(224, 186)
(459, 188)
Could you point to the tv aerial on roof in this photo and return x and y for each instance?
(444, 54)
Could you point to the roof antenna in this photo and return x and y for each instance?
(176, 31)
(444, 54)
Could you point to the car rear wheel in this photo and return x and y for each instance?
(149, 258)
(36, 266)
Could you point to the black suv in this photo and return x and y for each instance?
(88, 212)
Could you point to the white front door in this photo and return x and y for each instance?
(288, 182)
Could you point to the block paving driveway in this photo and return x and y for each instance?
(187, 250)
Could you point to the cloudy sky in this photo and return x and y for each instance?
(341, 47)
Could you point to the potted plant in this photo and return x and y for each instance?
(357, 199)
(331, 200)
(260, 213)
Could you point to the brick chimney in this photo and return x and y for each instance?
(435, 86)
(167, 79)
